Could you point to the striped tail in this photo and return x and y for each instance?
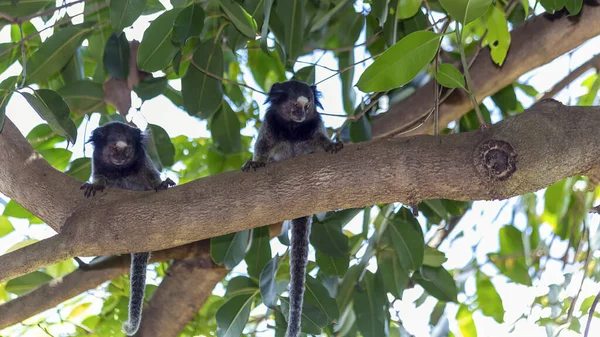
(137, 276)
(298, 261)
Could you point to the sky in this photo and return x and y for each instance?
(478, 228)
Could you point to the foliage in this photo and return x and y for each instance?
(210, 48)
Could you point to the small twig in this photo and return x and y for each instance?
(313, 64)
(346, 48)
(585, 235)
(46, 12)
(594, 62)
(436, 86)
(511, 7)
(590, 315)
(23, 57)
(343, 70)
(470, 89)
(225, 79)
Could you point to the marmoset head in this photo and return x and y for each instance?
(294, 100)
(117, 144)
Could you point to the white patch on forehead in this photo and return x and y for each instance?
(302, 100)
(121, 144)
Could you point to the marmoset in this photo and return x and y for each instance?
(120, 160)
(293, 127)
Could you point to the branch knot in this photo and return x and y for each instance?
(495, 160)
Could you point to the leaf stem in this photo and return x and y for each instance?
(470, 89)
(23, 56)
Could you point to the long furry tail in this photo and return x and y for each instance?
(137, 276)
(298, 260)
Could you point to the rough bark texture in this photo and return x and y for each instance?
(496, 163)
(534, 43)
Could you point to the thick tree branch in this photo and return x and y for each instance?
(594, 62)
(536, 42)
(476, 165)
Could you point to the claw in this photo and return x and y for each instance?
(250, 164)
(165, 184)
(334, 147)
(90, 189)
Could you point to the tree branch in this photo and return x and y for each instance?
(536, 42)
(594, 62)
(514, 157)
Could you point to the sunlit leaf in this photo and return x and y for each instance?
(449, 76)
(5, 226)
(489, 300)
(408, 8)
(465, 11)
(465, 321)
(156, 49)
(498, 36)
(58, 158)
(13, 209)
(265, 70)
(400, 63)
(433, 257)
(123, 13)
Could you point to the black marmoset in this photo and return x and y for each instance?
(564, 12)
(120, 160)
(293, 127)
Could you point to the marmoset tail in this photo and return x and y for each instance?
(120, 161)
(292, 127)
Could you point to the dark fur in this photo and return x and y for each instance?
(573, 18)
(281, 137)
(136, 173)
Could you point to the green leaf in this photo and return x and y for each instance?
(161, 145)
(437, 282)
(328, 238)
(488, 299)
(81, 168)
(26, 283)
(330, 265)
(6, 92)
(511, 259)
(433, 257)
(320, 22)
(268, 286)
(225, 129)
(400, 63)
(189, 23)
(265, 70)
(407, 239)
(498, 36)
(370, 306)
(449, 76)
(151, 87)
(61, 268)
(202, 94)
(42, 137)
(73, 70)
(313, 319)
(360, 131)
(240, 285)
(465, 11)
(465, 321)
(395, 278)
(345, 59)
(259, 253)
(291, 13)
(13, 209)
(8, 55)
(5, 226)
(265, 27)
(55, 52)
(408, 8)
(24, 7)
(352, 23)
(153, 6)
(240, 18)
(306, 75)
(316, 294)
(233, 315)
(58, 158)
(116, 56)
(229, 249)
(573, 6)
(123, 13)
(83, 97)
(552, 5)
(156, 49)
(53, 109)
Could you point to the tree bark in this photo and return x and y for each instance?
(519, 155)
(534, 43)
